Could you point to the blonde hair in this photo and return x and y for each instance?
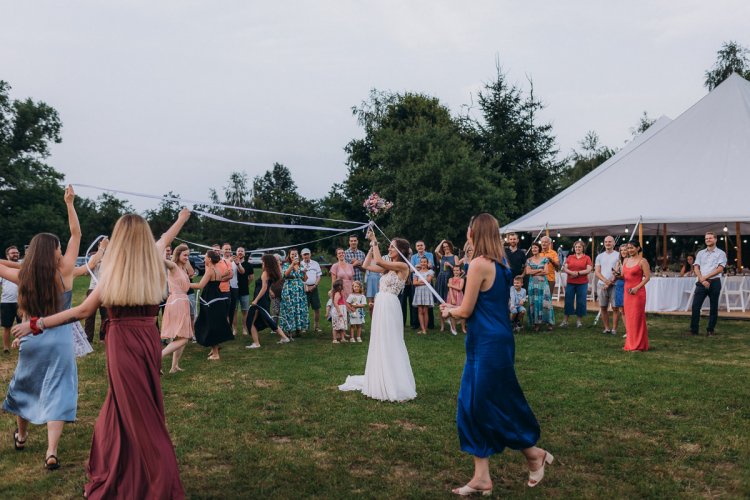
(133, 272)
(485, 235)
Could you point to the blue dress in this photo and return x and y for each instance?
(44, 387)
(445, 273)
(492, 411)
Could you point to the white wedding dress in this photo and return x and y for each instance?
(388, 375)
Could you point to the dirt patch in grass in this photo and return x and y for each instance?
(409, 426)
(265, 384)
(378, 426)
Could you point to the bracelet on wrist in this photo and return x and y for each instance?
(34, 325)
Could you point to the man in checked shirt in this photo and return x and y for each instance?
(355, 257)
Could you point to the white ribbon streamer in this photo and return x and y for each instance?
(88, 258)
(280, 226)
(421, 276)
(211, 203)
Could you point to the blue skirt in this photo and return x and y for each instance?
(373, 284)
(620, 293)
(44, 387)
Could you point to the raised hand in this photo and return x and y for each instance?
(184, 214)
(70, 195)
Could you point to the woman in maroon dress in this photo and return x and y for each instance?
(131, 453)
(636, 272)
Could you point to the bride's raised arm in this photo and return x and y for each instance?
(399, 267)
(369, 265)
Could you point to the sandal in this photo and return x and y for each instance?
(536, 476)
(19, 444)
(53, 465)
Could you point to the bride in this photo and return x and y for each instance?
(388, 375)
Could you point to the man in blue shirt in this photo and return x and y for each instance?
(414, 320)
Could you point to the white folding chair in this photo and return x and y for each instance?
(733, 288)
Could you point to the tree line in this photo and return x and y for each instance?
(437, 167)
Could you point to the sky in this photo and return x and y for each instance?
(175, 95)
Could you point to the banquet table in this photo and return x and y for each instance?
(665, 294)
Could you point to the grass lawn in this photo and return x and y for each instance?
(270, 423)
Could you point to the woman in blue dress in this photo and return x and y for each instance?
(492, 411)
(44, 388)
(447, 260)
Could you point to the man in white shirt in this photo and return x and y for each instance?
(313, 273)
(709, 265)
(9, 301)
(604, 264)
(234, 292)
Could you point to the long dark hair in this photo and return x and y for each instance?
(271, 267)
(39, 287)
(403, 246)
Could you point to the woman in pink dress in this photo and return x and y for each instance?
(131, 453)
(636, 272)
(177, 325)
(343, 271)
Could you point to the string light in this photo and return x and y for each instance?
(726, 229)
(627, 230)
(558, 234)
(591, 239)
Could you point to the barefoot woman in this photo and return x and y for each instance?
(131, 452)
(492, 411)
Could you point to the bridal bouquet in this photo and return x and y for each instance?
(375, 205)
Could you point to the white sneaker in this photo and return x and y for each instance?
(253, 346)
(352, 340)
(283, 341)
(579, 324)
(613, 332)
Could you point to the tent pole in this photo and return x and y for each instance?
(593, 247)
(640, 234)
(664, 248)
(739, 246)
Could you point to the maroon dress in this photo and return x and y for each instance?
(131, 453)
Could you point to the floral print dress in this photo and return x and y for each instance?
(540, 298)
(293, 314)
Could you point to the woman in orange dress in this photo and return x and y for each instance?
(177, 326)
(636, 272)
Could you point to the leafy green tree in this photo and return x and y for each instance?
(644, 122)
(591, 154)
(31, 199)
(415, 154)
(731, 58)
(515, 145)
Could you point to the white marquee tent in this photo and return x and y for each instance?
(691, 173)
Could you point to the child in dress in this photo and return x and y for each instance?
(329, 305)
(422, 296)
(456, 292)
(338, 312)
(517, 300)
(356, 303)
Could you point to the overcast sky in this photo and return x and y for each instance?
(160, 95)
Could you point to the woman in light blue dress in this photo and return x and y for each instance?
(44, 388)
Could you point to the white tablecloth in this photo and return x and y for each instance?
(672, 294)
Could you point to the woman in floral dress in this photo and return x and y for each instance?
(540, 298)
(293, 316)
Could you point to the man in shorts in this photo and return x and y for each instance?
(313, 273)
(244, 275)
(9, 301)
(604, 264)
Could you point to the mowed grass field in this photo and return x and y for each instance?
(270, 423)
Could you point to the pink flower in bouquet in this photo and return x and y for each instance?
(375, 205)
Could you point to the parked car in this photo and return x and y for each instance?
(196, 260)
(254, 257)
(80, 261)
